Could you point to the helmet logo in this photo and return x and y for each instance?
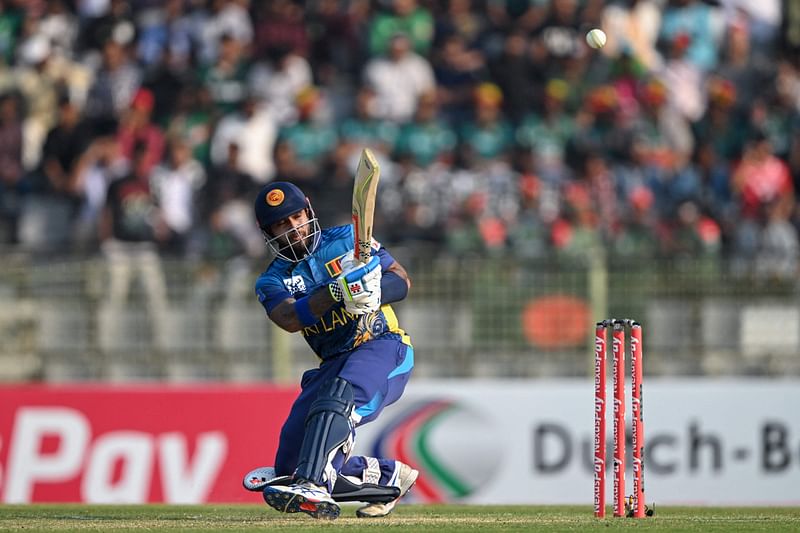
(274, 197)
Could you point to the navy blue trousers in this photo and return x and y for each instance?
(378, 370)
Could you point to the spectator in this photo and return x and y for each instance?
(46, 57)
(779, 247)
(114, 86)
(279, 80)
(627, 76)
(287, 164)
(51, 210)
(574, 235)
(600, 128)
(716, 197)
(254, 130)
(790, 30)
(192, 119)
(102, 22)
(39, 89)
(130, 229)
(12, 186)
(226, 208)
(721, 126)
(692, 235)
(698, 25)
(406, 17)
(463, 19)
(469, 232)
(777, 111)
(660, 130)
(505, 15)
(528, 236)
(10, 23)
(166, 79)
(127, 72)
(747, 73)
(64, 144)
(426, 140)
(227, 17)
(458, 71)
(98, 166)
(761, 183)
(365, 130)
(339, 39)
(136, 127)
(175, 185)
(684, 79)
(547, 134)
(632, 27)
(594, 189)
(226, 78)
(638, 238)
(336, 189)
(513, 72)
(312, 138)
(559, 31)
(399, 79)
(425, 204)
(280, 28)
(761, 178)
(165, 31)
(488, 137)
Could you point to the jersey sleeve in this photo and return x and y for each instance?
(383, 253)
(270, 291)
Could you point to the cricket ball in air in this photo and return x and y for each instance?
(596, 38)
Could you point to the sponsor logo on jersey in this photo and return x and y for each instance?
(295, 284)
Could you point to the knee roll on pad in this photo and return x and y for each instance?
(328, 429)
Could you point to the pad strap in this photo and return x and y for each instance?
(372, 473)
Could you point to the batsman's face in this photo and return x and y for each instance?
(292, 231)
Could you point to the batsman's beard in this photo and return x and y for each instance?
(296, 243)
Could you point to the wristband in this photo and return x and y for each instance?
(302, 308)
(393, 288)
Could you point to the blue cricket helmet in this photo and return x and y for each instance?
(277, 201)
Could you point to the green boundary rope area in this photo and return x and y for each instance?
(439, 518)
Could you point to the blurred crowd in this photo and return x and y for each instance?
(150, 124)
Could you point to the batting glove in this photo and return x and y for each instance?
(360, 289)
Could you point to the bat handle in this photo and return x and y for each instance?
(363, 253)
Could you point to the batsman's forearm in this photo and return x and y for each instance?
(286, 313)
(320, 301)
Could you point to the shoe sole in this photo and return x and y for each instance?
(287, 502)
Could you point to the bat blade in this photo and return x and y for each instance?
(365, 190)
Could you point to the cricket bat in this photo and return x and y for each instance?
(365, 190)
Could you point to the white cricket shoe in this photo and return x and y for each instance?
(405, 479)
(302, 497)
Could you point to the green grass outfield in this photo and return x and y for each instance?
(438, 518)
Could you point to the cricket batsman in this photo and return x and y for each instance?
(341, 306)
